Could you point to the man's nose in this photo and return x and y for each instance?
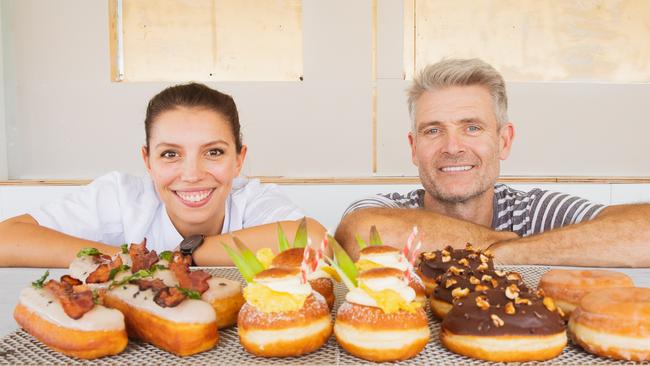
(192, 170)
(453, 144)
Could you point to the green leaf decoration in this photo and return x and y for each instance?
(85, 252)
(143, 273)
(96, 298)
(343, 260)
(374, 239)
(157, 267)
(166, 255)
(125, 248)
(283, 243)
(300, 240)
(243, 267)
(115, 271)
(362, 244)
(191, 294)
(248, 255)
(39, 283)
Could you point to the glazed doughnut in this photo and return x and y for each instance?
(226, 298)
(614, 323)
(380, 320)
(319, 280)
(282, 317)
(435, 263)
(567, 287)
(459, 282)
(377, 256)
(491, 326)
(97, 333)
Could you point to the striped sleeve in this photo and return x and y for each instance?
(552, 210)
(376, 201)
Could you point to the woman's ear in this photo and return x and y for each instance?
(241, 157)
(145, 158)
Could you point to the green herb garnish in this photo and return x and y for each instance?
(157, 267)
(96, 297)
(190, 294)
(166, 256)
(86, 252)
(39, 283)
(143, 273)
(117, 270)
(125, 248)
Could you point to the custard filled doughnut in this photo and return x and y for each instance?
(567, 287)
(435, 263)
(380, 319)
(614, 323)
(377, 256)
(282, 316)
(459, 282)
(64, 317)
(495, 326)
(319, 280)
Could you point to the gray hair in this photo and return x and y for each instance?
(460, 72)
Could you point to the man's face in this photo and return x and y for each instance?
(457, 144)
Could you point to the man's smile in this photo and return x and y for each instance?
(456, 168)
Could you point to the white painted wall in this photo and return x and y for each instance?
(3, 130)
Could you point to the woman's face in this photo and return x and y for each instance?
(192, 160)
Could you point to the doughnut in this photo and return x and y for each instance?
(380, 319)
(226, 298)
(567, 287)
(376, 256)
(495, 326)
(282, 317)
(459, 282)
(434, 264)
(319, 280)
(98, 332)
(614, 323)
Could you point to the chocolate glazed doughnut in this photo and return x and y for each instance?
(495, 326)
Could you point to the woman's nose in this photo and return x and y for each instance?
(192, 170)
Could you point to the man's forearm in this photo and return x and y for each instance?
(395, 225)
(618, 237)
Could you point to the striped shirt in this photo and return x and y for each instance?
(525, 213)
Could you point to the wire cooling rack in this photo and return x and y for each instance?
(20, 348)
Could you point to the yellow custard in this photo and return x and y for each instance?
(364, 265)
(390, 301)
(269, 301)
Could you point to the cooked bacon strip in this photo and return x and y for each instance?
(102, 258)
(156, 285)
(103, 272)
(169, 297)
(141, 257)
(70, 280)
(74, 303)
(194, 280)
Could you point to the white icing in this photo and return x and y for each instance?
(289, 285)
(48, 307)
(81, 267)
(360, 297)
(391, 260)
(188, 311)
(216, 291)
(166, 276)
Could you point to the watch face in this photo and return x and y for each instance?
(191, 242)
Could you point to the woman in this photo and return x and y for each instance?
(193, 154)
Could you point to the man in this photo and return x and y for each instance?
(460, 132)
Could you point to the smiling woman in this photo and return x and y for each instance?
(193, 155)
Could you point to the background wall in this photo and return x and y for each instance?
(63, 118)
(3, 129)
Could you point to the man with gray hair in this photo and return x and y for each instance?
(460, 132)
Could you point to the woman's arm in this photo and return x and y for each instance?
(24, 243)
(212, 253)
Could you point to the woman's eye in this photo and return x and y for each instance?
(169, 154)
(215, 152)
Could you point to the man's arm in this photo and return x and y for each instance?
(395, 225)
(618, 237)
(212, 253)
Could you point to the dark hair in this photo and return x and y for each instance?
(193, 95)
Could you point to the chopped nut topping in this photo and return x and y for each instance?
(459, 292)
(429, 255)
(469, 247)
(559, 311)
(457, 271)
(482, 302)
(484, 259)
(463, 262)
(446, 258)
(549, 303)
(512, 292)
(521, 300)
(472, 256)
(474, 281)
(445, 253)
(486, 278)
(498, 322)
(513, 276)
(488, 252)
(482, 267)
(510, 309)
(495, 283)
(450, 282)
(481, 288)
(499, 273)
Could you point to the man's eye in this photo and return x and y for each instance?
(215, 152)
(169, 154)
(431, 131)
(473, 128)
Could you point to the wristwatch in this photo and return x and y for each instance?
(190, 244)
